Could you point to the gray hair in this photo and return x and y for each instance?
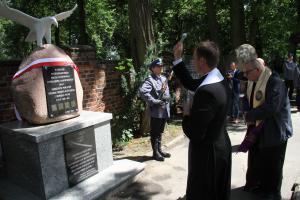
(245, 53)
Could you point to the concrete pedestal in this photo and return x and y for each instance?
(34, 156)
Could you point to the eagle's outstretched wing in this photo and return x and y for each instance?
(16, 15)
(64, 15)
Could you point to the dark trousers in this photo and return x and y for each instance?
(271, 163)
(252, 174)
(290, 87)
(157, 127)
(235, 106)
(298, 98)
(265, 168)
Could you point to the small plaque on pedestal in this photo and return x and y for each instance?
(81, 157)
(60, 90)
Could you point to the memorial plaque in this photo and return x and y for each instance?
(60, 90)
(80, 153)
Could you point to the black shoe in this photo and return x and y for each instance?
(156, 154)
(164, 154)
(158, 157)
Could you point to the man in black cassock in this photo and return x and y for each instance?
(209, 171)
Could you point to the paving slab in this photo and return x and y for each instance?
(167, 180)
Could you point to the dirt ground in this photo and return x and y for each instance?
(139, 147)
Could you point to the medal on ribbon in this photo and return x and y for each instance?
(259, 95)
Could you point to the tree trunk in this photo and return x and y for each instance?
(295, 36)
(57, 36)
(213, 25)
(237, 15)
(55, 5)
(254, 35)
(141, 29)
(144, 122)
(83, 36)
(141, 35)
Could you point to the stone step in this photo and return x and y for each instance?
(120, 174)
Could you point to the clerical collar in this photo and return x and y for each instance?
(214, 76)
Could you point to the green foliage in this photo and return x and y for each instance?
(127, 123)
(101, 24)
(108, 26)
(125, 65)
(276, 25)
(174, 17)
(3, 44)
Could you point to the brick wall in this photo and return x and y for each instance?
(100, 82)
(7, 70)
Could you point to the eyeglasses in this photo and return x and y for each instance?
(249, 71)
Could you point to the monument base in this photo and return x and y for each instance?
(120, 174)
(52, 159)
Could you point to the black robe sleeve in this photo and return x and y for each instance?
(185, 78)
(204, 110)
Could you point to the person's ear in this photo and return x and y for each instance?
(202, 61)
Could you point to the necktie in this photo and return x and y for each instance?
(252, 95)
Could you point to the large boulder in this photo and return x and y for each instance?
(29, 91)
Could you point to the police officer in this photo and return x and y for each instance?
(155, 92)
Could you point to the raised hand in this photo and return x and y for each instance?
(178, 50)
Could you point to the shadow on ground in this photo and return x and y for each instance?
(237, 194)
(137, 158)
(240, 127)
(240, 194)
(138, 191)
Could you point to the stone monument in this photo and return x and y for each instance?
(47, 87)
(55, 151)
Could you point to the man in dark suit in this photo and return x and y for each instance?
(297, 84)
(289, 69)
(275, 113)
(235, 87)
(209, 171)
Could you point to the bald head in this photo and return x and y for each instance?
(262, 62)
(257, 63)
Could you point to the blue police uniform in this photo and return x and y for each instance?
(158, 100)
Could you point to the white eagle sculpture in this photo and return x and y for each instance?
(39, 28)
